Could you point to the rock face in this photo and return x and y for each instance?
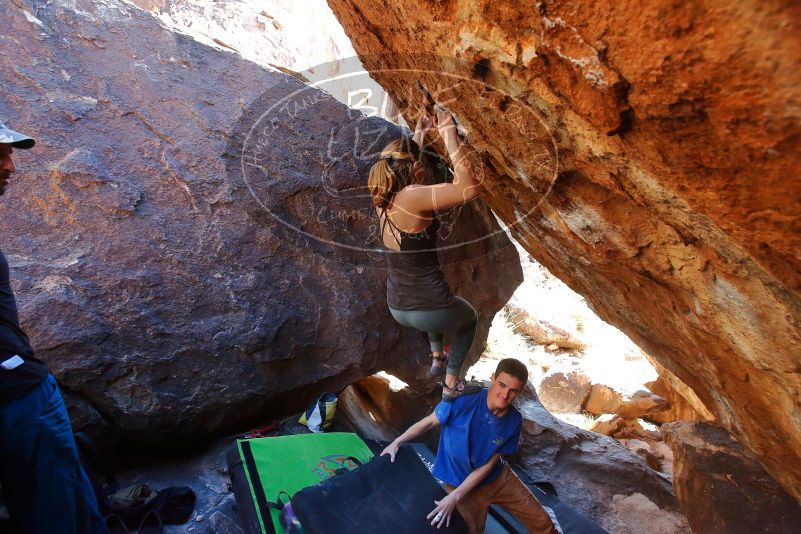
(542, 332)
(608, 424)
(591, 471)
(564, 387)
(641, 449)
(293, 36)
(299, 38)
(721, 486)
(684, 403)
(633, 429)
(192, 252)
(606, 399)
(647, 157)
(379, 408)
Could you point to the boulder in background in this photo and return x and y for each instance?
(722, 487)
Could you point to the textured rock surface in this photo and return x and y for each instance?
(283, 34)
(590, 470)
(300, 38)
(606, 399)
(684, 403)
(378, 407)
(565, 387)
(680, 409)
(656, 151)
(643, 450)
(721, 486)
(143, 231)
(637, 514)
(542, 332)
(634, 429)
(607, 424)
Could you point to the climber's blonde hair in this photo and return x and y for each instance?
(393, 171)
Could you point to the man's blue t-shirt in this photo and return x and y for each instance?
(470, 435)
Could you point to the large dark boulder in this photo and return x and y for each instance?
(722, 487)
(190, 242)
(596, 474)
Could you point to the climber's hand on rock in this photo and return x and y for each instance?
(422, 127)
(445, 125)
(423, 124)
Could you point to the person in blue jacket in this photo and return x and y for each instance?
(476, 430)
(45, 487)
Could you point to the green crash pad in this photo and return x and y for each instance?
(291, 463)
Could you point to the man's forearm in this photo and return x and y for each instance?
(475, 478)
(415, 431)
(418, 429)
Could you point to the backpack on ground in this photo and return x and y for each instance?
(321, 414)
(131, 504)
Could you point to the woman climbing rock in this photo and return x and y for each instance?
(417, 293)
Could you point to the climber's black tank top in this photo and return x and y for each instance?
(415, 280)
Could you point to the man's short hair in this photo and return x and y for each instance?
(513, 367)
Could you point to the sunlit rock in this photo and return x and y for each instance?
(649, 158)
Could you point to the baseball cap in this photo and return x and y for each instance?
(15, 139)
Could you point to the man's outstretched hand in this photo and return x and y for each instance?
(391, 450)
(442, 513)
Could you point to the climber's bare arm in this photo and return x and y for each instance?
(422, 199)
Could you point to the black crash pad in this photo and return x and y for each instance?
(378, 497)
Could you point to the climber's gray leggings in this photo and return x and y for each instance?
(458, 321)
